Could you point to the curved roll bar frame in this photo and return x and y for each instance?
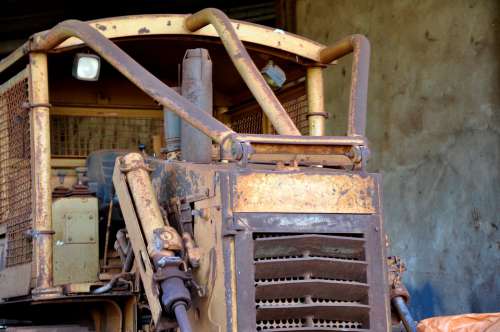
(360, 47)
(245, 66)
(231, 142)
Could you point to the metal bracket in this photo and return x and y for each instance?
(323, 114)
(29, 106)
(33, 234)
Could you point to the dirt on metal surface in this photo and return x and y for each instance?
(324, 194)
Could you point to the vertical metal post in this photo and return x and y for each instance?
(40, 140)
(197, 88)
(172, 128)
(315, 99)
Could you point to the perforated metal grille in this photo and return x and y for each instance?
(248, 120)
(78, 136)
(15, 169)
(297, 109)
(310, 282)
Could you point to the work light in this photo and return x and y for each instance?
(86, 67)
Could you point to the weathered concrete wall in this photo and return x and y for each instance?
(434, 127)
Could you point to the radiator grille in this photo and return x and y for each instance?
(78, 136)
(15, 169)
(310, 282)
(297, 109)
(248, 120)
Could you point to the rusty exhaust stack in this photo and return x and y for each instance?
(197, 88)
(245, 66)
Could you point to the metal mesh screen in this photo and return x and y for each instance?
(78, 136)
(15, 169)
(248, 120)
(297, 109)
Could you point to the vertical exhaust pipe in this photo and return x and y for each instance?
(197, 88)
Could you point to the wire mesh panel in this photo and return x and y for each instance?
(296, 107)
(73, 136)
(15, 169)
(248, 119)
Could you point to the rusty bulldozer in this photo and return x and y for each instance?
(164, 172)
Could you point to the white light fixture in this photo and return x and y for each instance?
(86, 67)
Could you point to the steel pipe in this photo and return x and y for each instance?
(182, 318)
(245, 66)
(40, 122)
(172, 129)
(197, 87)
(142, 78)
(404, 313)
(305, 140)
(360, 47)
(315, 100)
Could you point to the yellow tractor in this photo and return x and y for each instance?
(171, 172)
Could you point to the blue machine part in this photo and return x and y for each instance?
(100, 165)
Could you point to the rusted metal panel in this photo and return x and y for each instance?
(304, 193)
(317, 244)
(319, 267)
(339, 249)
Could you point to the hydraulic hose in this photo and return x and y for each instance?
(404, 313)
(182, 318)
